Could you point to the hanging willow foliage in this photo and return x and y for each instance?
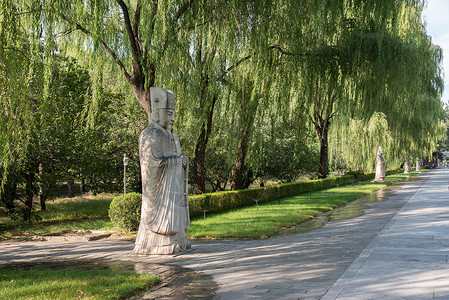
(369, 56)
(365, 57)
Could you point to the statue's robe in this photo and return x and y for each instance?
(165, 212)
(380, 168)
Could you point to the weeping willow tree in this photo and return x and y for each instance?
(368, 57)
(355, 143)
(20, 96)
(237, 38)
(322, 58)
(213, 47)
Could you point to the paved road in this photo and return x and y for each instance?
(324, 262)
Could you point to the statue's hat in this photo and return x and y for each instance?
(161, 98)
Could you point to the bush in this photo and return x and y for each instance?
(124, 212)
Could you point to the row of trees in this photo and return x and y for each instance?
(266, 89)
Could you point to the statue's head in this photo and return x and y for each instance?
(379, 150)
(163, 107)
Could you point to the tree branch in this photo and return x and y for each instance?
(136, 19)
(173, 23)
(183, 9)
(277, 47)
(67, 32)
(282, 50)
(132, 38)
(103, 45)
(242, 60)
(24, 55)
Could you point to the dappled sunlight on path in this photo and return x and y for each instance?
(409, 257)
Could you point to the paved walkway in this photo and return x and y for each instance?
(380, 253)
(408, 259)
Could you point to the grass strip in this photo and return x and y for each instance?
(86, 212)
(72, 284)
(270, 218)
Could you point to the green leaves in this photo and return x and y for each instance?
(124, 211)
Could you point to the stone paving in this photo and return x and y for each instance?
(408, 259)
(299, 266)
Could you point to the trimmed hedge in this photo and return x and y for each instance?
(124, 212)
(362, 176)
(224, 201)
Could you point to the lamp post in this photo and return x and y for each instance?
(125, 163)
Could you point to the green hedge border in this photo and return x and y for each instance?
(224, 201)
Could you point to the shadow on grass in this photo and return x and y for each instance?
(101, 280)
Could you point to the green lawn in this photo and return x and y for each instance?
(71, 283)
(83, 212)
(271, 218)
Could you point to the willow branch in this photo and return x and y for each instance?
(129, 30)
(136, 27)
(24, 55)
(103, 45)
(136, 19)
(67, 32)
(147, 45)
(282, 50)
(153, 17)
(333, 99)
(276, 47)
(183, 9)
(242, 60)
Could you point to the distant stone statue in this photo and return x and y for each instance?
(165, 211)
(380, 166)
(418, 164)
(407, 168)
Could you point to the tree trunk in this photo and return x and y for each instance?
(8, 194)
(70, 187)
(199, 170)
(82, 186)
(29, 193)
(42, 197)
(324, 155)
(199, 173)
(323, 111)
(238, 173)
(144, 98)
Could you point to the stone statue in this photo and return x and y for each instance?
(418, 164)
(380, 166)
(165, 211)
(407, 168)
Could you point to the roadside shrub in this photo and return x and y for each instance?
(124, 212)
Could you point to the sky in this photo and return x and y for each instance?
(436, 16)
